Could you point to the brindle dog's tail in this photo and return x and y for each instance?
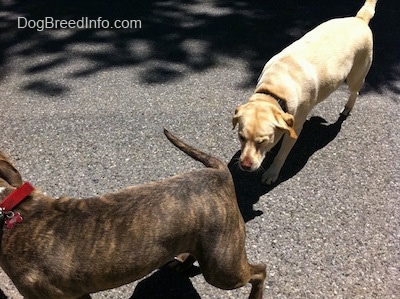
(196, 154)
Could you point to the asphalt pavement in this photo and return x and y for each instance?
(83, 110)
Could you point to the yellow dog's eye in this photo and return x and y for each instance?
(242, 138)
(261, 140)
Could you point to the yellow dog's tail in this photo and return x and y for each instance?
(367, 12)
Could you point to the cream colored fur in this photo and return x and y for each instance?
(302, 75)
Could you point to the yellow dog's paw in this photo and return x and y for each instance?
(270, 176)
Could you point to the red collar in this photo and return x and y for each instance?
(15, 197)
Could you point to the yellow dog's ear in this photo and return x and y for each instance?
(235, 118)
(286, 122)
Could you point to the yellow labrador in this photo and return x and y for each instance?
(296, 79)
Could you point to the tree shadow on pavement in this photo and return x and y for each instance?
(315, 135)
(174, 39)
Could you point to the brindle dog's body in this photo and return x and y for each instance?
(69, 248)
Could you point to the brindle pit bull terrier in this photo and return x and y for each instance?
(69, 248)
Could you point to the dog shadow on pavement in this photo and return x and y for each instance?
(166, 283)
(316, 134)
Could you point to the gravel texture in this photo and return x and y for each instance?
(83, 113)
